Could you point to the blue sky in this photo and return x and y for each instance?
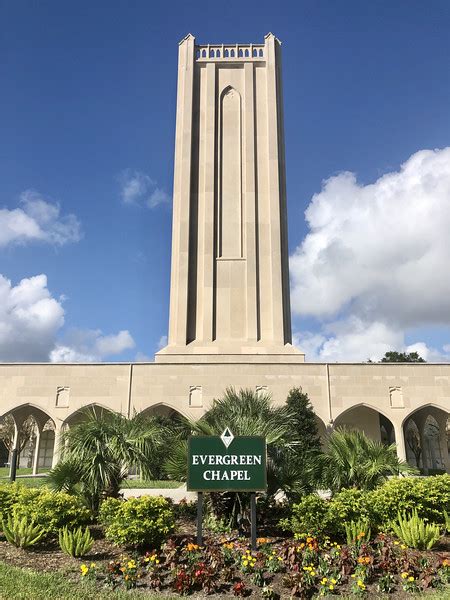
(88, 101)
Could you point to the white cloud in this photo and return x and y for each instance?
(90, 345)
(30, 323)
(158, 196)
(139, 189)
(29, 319)
(375, 262)
(37, 220)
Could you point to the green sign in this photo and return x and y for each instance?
(226, 463)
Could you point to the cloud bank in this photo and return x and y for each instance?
(31, 320)
(37, 220)
(375, 263)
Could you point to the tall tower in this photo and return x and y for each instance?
(229, 292)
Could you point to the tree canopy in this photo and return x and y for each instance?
(394, 356)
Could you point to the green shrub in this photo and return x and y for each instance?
(347, 505)
(415, 532)
(76, 542)
(108, 511)
(447, 521)
(11, 494)
(21, 532)
(138, 521)
(430, 496)
(308, 516)
(357, 532)
(379, 507)
(51, 510)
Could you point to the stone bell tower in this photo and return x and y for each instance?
(229, 294)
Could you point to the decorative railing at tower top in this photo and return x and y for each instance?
(229, 52)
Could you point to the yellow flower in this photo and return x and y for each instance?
(333, 581)
(157, 561)
(411, 578)
(403, 546)
(313, 573)
(324, 580)
(245, 563)
(92, 565)
(404, 575)
(396, 543)
(353, 575)
(84, 570)
(331, 587)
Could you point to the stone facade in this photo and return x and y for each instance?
(229, 309)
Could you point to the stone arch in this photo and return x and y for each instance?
(428, 405)
(431, 441)
(27, 409)
(77, 415)
(161, 409)
(369, 419)
(32, 426)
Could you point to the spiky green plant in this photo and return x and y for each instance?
(353, 460)
(447, 521)
(75, 542)
(357, 532)
(21, 532)
(415, 532)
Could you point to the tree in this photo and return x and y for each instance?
(352, 460)
(99, 451)
(393, 356)
(296, 462)
(7, 432)
(413, 441)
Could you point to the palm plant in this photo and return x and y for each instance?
(249, 413)
(352, 460)
(99, 451)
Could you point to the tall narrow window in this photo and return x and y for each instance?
(230, 234)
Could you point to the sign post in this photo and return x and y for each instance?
(227, 464)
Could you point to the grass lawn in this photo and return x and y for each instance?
(142, 484)
(127, 483)
(4, 471)
(19, 584)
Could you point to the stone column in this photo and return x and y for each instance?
(400, 441)
(179, 287)
(14, 456)
(57, 445)
(37, 447)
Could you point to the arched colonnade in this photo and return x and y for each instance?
(422, 438)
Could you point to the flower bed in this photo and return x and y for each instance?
(304, 568)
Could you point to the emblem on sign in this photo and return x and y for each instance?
(227, 437)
